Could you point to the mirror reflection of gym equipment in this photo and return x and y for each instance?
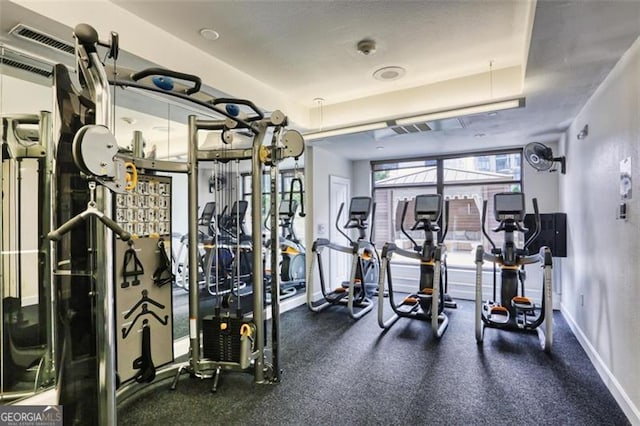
(292, 267)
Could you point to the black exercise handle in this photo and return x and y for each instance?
(484, 218)
(373, 223)
(301, 192)
(245, 102)
(535, 234)
(416, 247)
(117, 229)
(197, 83)
(87, 36)
(446, 223)
(56, 234)
(338, 223)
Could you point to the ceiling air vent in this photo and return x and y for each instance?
(19, 61)
(26, 67)
(434, 126)
(411, 128)
(27, 33)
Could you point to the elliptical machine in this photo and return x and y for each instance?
(429, 302)
(514, 311)
(292, 251)
(365, 265)
(227, 261)
(292, 266)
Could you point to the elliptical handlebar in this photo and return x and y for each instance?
(484, 229)
(446, 221)
(416, 247)
(537, 231)
(338, 224)
(373, 222)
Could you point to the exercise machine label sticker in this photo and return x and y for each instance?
(192, 328)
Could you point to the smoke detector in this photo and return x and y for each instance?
(367, 47)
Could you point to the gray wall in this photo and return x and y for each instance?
(600, 275)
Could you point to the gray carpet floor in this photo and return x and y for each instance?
(341, 372)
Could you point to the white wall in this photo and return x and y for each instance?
(545, 187)
(361, 178)
(600, 275)
(542, 185)
(320, 164)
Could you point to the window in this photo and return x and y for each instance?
(464, 181)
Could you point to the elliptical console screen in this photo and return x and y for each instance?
(288, 207)
(239, 208)
(428, 206)
(509, 205)
(360, 207)
(209, 210)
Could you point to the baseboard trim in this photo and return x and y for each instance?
(610, 381)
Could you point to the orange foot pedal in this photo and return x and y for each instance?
(428, 291)
(499, 314)
(410, 300)
(522, 303)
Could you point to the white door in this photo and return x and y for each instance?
(339, 263)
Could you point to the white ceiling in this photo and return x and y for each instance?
(286, 53)
(307, 49)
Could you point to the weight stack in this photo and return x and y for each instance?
(221, 338)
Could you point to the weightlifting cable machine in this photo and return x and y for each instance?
(108, 170)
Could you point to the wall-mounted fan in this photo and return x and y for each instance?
(541, 158)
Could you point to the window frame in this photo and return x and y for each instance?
(440, 185)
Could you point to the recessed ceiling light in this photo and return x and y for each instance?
(209, 34)
(379, 148)
(492, 113)
(389, 73)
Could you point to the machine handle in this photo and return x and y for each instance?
(416, 247)
(535, 234)
(373, 223)
(117, 229)
(266, 220)
(197, 83)
(87, 36)
(301, 192)
(446, 223)
(56, 234)
(338, 223)
(245, 102)
(484, 218)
